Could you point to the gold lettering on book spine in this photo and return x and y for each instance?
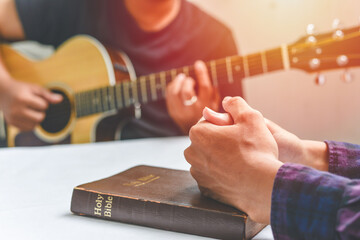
(108, 206)
(99, 204)
(142, 181)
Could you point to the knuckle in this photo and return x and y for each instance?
(187, 154)
(41, 117)
(235, 101)
(252, 115)
(187, 95)
(43, 105)
(194, 173)
(194, 132)
(20, 98)
(46, 105)
(206, 88)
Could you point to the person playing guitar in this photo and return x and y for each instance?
(156, 35)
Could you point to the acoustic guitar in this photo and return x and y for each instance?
(96, 81)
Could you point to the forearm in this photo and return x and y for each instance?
(10, 24)
(5, 76)
(311, 204)
(316, 155)
(10, 28)
(340, 158)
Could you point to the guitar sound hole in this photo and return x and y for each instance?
(57, 115)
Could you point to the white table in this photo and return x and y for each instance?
(36, 186)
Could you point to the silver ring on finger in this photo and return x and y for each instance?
(190, 101)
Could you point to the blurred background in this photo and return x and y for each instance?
(291, 98)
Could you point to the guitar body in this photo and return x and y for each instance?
(80, 64)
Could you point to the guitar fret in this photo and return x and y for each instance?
(229, 70)
(126, 91)
(143, 89)
(285, 56)
(255, 64)
(158, 86)
(237, 69)
(86, 103)
(77, 103)
(100, 100)
(105, 99)
(97, 101)
(111, 97)
(173, 74)
(81, 104)
(90, 105)
(186, 70)
(93, 102)
(153, 87)
(118, 96)
(274, 59)
(264, 62)
(246, 66)
(213, 73)
(163, 83)
(134, 89)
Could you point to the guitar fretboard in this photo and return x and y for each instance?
(223, 73)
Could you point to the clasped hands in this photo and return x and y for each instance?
(235, 156)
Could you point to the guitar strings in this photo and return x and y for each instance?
(88, 105)
(221, 73)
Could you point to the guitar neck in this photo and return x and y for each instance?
(223, 73)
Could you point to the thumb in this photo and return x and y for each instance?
(216, 118)
(273, 127)
(235, 106)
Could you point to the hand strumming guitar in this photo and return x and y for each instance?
(24, 104)
(183, 104)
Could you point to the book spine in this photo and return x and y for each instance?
(158, 215)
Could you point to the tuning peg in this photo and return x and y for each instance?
(320, 79)
(347, 76)
(342, 60)
(314, 63)
(310, 30)
(336, 25)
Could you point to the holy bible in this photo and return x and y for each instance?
(161, 198)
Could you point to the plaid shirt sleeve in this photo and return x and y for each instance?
(310, 204)
(344, 159)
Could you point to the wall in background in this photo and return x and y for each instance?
(291, 98)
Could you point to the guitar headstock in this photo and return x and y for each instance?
(317, 52)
